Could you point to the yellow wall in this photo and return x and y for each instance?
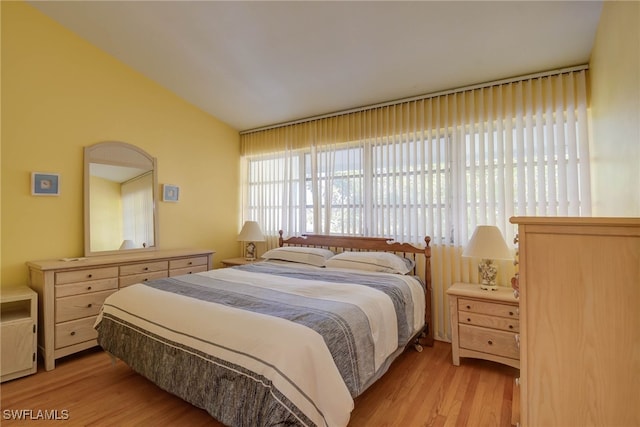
(615, 111)
(59, 94)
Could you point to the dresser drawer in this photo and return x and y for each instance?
(78, 306)
(188, 270)
(85, 274)
(75, 331)
(490, 341)
(139, 278)
(84, 287)
(188, 262)
(491, 308)
(495, 322)
(142, 268)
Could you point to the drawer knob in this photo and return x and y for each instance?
(468, 307)
(73, 333)
(490, 342)
(89, 305)
(511, 313)
(146, 279)
(88, 288)
(468, 319)
(146, 269)
(510, 326)
(190, 263)
(89, 276)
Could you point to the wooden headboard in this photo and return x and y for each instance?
(339, 243)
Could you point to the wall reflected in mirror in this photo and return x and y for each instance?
(121, 206)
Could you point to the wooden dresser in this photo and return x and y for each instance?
(579, 321)
(71, 293)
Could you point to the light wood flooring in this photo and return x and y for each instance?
(420, 389)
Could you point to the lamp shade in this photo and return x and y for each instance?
(251, 232)
(127, 244)
(487, 243)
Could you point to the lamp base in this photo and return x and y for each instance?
(488, 272)
(250, 252)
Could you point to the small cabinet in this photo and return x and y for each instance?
(484, 324)
(18, 320)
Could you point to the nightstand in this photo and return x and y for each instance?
(230, 262)
(484, 324)
(19, 343)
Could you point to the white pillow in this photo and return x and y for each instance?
(385, 262)
(300, 254)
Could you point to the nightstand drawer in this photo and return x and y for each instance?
(490, 308)
(142, 268)
(76, 307)
(188, 262)
(86, 274)
(489, 341)
(75, 331)
(471, 318)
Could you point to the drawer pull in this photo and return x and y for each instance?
(146, 279)
(89, 276)
(73, 333)
(88, 288)
(146, 269)
(468, 319)
(190, 263)
(89, 305)
(490, 342)
(510, 326)
(511, 313)
(468, 307)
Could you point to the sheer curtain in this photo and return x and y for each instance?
(436, 166)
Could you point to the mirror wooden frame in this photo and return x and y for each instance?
(122, 154)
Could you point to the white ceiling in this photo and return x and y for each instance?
(252, 64)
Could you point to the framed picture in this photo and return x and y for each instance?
(45, 184)
(170, 193)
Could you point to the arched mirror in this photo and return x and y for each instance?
(120, 199)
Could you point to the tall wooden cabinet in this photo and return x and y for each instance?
(579, 321)
(71, 293)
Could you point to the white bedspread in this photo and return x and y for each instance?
(293, 357)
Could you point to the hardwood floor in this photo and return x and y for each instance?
(420, 389)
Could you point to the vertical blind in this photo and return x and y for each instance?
(137, 210)
(434, 166)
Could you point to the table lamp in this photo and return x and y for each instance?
(488, 244)
(250, 233)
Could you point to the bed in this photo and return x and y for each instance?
(288, 341)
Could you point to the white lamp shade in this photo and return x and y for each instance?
(127, 244)
(487, 243)
(251, 232)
